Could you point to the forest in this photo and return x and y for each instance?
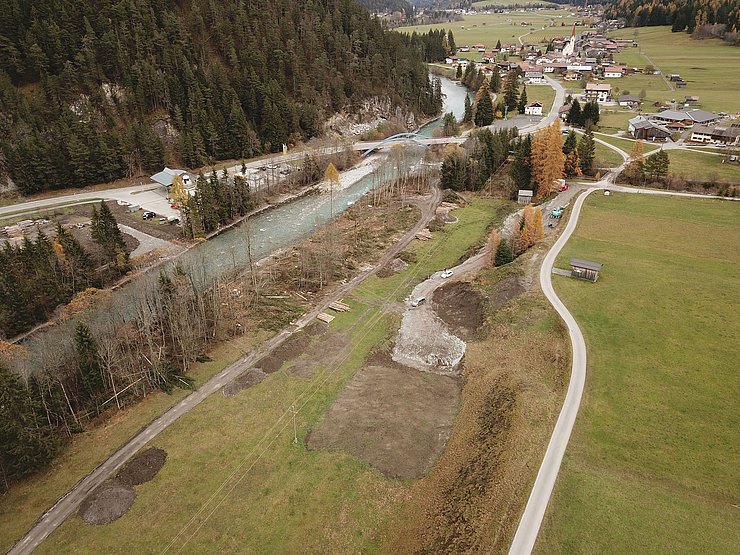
(96, 90)
(701, 18)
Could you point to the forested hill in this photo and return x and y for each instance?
(93, 90)
(377, 6)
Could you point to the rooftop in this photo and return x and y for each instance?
(585, 264)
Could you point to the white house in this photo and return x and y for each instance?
(716, 135)
(535, 78)
(533, 108)
(600, 92)
(613, 72)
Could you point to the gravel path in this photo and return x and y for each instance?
(147, 243)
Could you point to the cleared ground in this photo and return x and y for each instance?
(708, 66)
(652, 463)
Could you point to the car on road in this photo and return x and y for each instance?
(557, 212)
(148, 215)
(446, 274)
(420, 300)
(563, 187)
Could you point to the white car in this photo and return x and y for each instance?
(418, 301)
(446, 274)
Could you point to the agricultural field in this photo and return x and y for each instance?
(251, 477)
(652, 462)
(699, 166)
(605, 157)
(486, 29)
(626, 144)
(706, 65)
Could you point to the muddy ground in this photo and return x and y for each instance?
(289, 349)
(396, 419)
(112, 499)
(459, 305)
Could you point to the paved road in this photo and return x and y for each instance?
(68, 504)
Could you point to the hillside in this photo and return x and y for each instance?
(94, 90)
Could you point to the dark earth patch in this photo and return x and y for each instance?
(289, 349)
(459, 305)
(325, 353)
(143, 467)
(393, 267)
(245, 380)
(109, 502)
(504, 291)
(394, 418)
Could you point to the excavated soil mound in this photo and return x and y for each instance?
(245, 380)
(505, 290)
(396, 419)
(393, 267)
(289, 349)
(107, 503)
(459, 306)
(143, 467)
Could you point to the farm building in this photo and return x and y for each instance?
(642, 128)
(716, 135)
(525, 196)
(583, 269)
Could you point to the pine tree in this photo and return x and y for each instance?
(88, 363)
(76, 260)
(105, 232)
(459, 72)
(522, 100)
(575, 117)
(587, 153)
(504, 254)
(571, 143)
(656, 166)
(496, 80)
(484, 110)
(511, 91)
(452, 47)
(590, 115)
(468, 115)
(453, 174)
(521, 169)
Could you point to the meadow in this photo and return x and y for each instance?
(700, 166)
(652, 462)
(710, 67)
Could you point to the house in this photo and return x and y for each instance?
(535, 78)
(716, 135)
(451, 60)
(533, 108)
(167, 176)
(583, 269)
(686, 117)
(524, 196)
(598, 92)
(563, 111)
(613, 72)
(629, 100)
(691, 100)
(644, 129)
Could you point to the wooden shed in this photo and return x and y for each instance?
(583, 269)
(524, 196)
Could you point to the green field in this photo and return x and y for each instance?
(276, 497)
(652, 463)
(614, 121)
(709, 66)
(605, 157)
(699, 166)
(486, 3)
(543, 93)
(625, 144)
(486, 29)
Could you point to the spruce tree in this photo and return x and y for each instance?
(504, 254)
(575, 117)
(571, 143)
(451, 42)
(590, 114)
(105, 232)
(587, 153)
(468, 115)
(521, 169)
(459, 72)
(522, 100)
(484, 111)
(511, 91)
(89, 363)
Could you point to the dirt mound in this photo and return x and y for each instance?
(505, 290)
(245, 380)
(289, 349)
(459, 306)
(109, 502)
(394, 418)
(423, 342)
(396, 265)
(325, 353)
(316, 328)
(143, 467)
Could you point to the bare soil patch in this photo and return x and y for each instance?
(326, 353)
(289, 349)
(394, 418)
(245, 380)
(143, 467)
(109, 502)
(504, 291)
(459, 306)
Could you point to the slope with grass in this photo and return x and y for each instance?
(651, 466)
(703, 167)
(234, 484)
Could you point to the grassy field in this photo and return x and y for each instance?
(543, 93)
(27, 500)
(276, 496)
(625, 144)
(698, 166)
(704, 64)
(652, 463)
(486, 29)
(614, 121)
(605, 157)
(501, 3)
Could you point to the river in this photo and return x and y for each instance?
(270, 231)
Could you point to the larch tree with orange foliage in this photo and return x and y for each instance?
(548, 159)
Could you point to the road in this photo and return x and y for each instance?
(68, 504)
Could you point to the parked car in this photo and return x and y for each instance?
(446, 274)
(149, 215)
(563, 187)
(418, 301)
